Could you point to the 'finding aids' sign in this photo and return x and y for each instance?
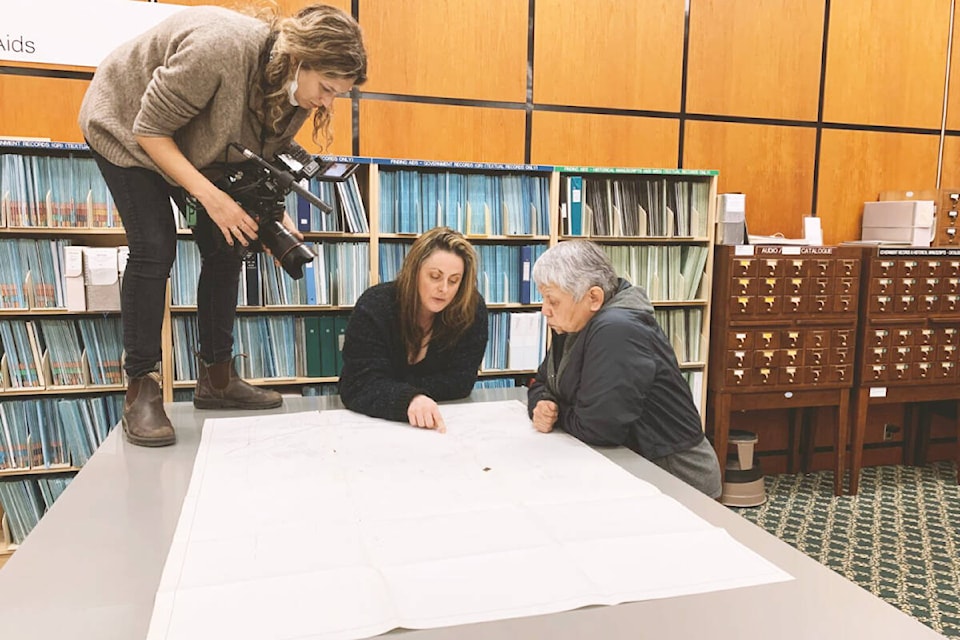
(73, 32)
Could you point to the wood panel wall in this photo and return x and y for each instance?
(791, 100)
(878, 72)
(755, 59)
(879, 79)
(951, 153)
(772, 164)
(603, 140)
(609, 53)
(41, 107)
(807, 106)
(474, 49)
(855, 163)
(440, 132)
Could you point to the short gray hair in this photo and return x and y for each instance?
(574, 266)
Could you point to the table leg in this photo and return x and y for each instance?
(721, 430)
(911, 434)
(957, 450)
(808, 441)
(859, 427)
(796, 430)
(843, 428)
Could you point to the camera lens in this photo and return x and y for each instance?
(286, 248)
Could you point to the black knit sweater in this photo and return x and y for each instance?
(377, 380)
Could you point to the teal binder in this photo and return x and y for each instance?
(576, 205)
(328, 347)
(311, 326)
(340, 329)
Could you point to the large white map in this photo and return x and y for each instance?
(335, 525)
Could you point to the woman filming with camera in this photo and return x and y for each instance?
(159, 115)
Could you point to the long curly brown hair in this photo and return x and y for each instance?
(459, 315)
(320, 38)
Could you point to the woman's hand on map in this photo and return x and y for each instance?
(423, 412)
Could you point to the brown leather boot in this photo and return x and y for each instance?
(219, 387)
(145, 423)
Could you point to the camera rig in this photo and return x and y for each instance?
(261, 187)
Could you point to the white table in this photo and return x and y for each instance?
(90, 569)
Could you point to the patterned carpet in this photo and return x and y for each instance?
(899, 538)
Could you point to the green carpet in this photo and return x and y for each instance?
(899, 538)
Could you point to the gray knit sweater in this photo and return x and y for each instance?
(189, 77)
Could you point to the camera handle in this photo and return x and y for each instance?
(284, 178)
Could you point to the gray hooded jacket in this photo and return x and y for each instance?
(617, 381)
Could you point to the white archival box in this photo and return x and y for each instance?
(900, 221)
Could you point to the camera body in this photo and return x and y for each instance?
(264, 199)
(260, 188)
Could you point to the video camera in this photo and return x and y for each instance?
(261, 187)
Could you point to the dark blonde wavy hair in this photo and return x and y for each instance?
(319, 38)
(451, 323)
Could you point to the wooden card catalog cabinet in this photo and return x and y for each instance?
(948, 219)
(911, 317)
(785, 317)
(784, 326)
(909, 333)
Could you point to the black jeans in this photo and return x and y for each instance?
(142, 198)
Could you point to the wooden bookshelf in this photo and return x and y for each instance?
(6, 546)
(675, 213)
(545, 183)
(62, 391)
(38, 471)
(528, 211)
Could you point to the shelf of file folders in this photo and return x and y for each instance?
(909, 333)
(290, 330)
(59, 355)
(482, 200)
(280, 348)
(783, 333)
(47, 434)
(46, 185)
(23, 501)
(60, 368)
(54, 336)
(44, 439)
(635, 203)
(7, 546)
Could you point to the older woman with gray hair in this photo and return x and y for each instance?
(611, 377)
